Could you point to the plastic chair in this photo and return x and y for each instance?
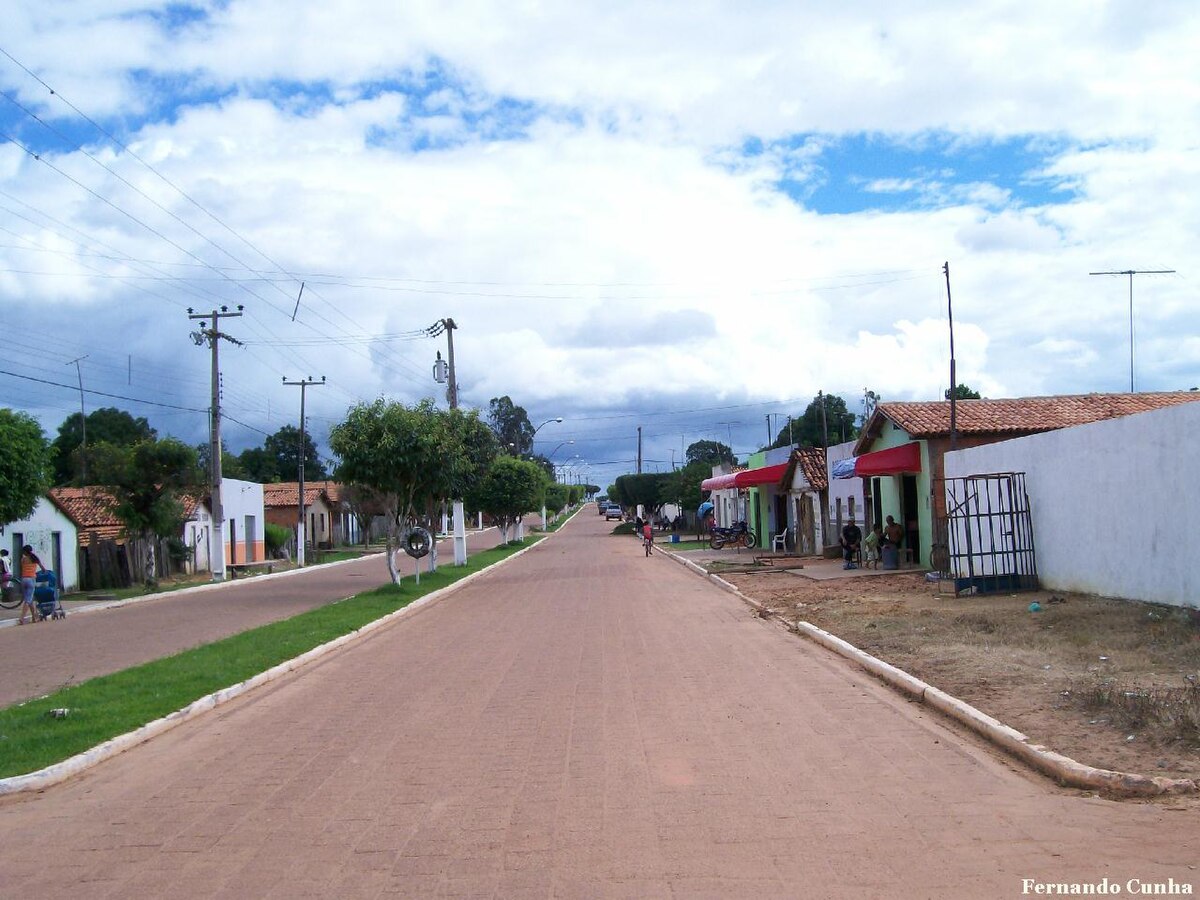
(779, 542)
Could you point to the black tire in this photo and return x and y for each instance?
(715, 541)
(10, 597)
(749, 539)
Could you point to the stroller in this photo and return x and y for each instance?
(45, 595)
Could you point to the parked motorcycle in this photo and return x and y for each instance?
(736, 534)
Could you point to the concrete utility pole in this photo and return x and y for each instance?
(213, 336)
(306, 383)
(639, 459)
(1131, 273)
(82, 417)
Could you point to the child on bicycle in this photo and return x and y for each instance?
(648, 537)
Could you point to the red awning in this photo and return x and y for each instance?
(746, 478)
(893, 461)
(718, 482)
(765, 475)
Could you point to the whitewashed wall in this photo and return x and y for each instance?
(45, 529)
(1115, 504)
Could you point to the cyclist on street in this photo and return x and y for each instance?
(648, 537)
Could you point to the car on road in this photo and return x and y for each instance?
(613, 512)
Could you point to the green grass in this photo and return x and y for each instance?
(111, 705)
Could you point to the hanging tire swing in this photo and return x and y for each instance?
(417, 542)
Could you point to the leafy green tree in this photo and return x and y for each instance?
(712, 453)
(259, 465)
(107, 425)
(511, 425)
(684, 485)
(407, 456)
(284, 448)
(558, 496)
(650, 490)
(810, 428)
(231, 465)
(25, 465)
(962, 392)
(509, 489)
(146, 481)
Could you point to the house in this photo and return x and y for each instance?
(781, 491)
(53, 534)
(280, 503)
(899, 455)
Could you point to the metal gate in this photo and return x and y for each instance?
(984, 544)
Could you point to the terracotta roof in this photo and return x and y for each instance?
(284, 493)
(1024, 415)
(811, 462)
(90, 508)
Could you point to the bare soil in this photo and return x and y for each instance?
(1109, 683)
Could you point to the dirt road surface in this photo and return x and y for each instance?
(583, 722)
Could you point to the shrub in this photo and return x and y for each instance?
(275, 536)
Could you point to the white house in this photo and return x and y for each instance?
(53, 536)
(242, 504)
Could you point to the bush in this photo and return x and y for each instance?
(275, 536)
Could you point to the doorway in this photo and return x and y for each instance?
(909, 510)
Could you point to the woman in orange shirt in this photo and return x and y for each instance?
(30, 565)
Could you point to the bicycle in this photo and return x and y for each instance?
(648, 543)
(10, 594)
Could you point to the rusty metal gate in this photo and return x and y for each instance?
(984, 543)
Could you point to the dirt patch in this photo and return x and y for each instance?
(1110, 683)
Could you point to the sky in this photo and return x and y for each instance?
(688, 218)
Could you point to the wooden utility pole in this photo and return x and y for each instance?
(953, 376)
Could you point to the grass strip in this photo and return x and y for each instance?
(111, 705)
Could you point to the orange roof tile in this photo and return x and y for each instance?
(285, 493)
(1024, 415)
(90, 508)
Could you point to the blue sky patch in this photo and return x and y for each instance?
(928, 171)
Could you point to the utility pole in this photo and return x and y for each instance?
(213, 336)
(639, 459)
(303, 385)
(82, 418)
(458, 518)
(768, 429)
(452, 394)
(1131, 273)
(953, 376)
(824, 420)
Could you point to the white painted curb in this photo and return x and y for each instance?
(59, 772)
(1062, 769)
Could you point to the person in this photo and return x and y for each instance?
(30, 566)
(851, 539)
(637, 525)
(648, 538)
(5, 575)
(871, 547)
(893, 534)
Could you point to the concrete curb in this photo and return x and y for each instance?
(59, 772)
(1062, 769)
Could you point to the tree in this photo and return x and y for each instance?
(259, 465)
(650, 490)
(809, 429)
(284, 448)
(25, 465)
(712, 453)
(146, 481)
(511, 425)
(684, 485)
(405, 455)
(962, 392)
(231, 466)
(107, 425)
(508, 490)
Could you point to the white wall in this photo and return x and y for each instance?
(39, 532)
(842, 488)
(240, 499)
(1114, 504)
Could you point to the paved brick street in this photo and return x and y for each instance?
(583, 722)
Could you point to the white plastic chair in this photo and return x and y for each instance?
(779, 542)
